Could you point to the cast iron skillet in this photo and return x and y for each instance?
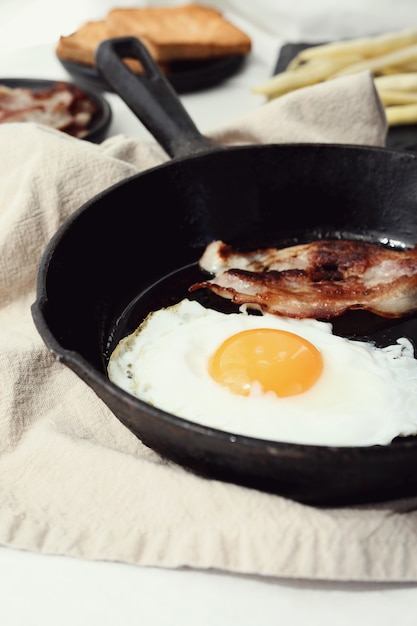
(134, 248)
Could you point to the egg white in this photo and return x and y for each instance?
(365, 395)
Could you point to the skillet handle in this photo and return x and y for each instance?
(150, 96)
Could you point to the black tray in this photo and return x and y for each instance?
(399, 137)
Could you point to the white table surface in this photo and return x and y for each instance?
(50, 590)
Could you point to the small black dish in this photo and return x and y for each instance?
(184, 76)
(402, 137)
(100, 123)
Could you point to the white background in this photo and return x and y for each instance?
(49, 590)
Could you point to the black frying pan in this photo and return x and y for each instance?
(134, 248)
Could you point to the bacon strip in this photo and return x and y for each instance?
(322, 279)
(61, 106)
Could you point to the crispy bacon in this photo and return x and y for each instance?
(322, 279)
(60, 106)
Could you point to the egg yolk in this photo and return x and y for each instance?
(278, 360)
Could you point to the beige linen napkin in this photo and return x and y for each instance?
(73, 480)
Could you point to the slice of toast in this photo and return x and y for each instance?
(189, 31)
(80, 46)
(171, 34)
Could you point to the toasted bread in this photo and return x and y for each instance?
(189, 31)
(80, 46)
(171, 34)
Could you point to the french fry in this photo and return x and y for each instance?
(406, 68)
(397, 82)
(306, 75)
(403, 114)
(391, 97)
(363, 46)
(342, 59)
(377, 64)
(391, 58)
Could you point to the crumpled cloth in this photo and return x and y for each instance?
(73, 480)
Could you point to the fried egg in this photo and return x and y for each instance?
(269, 377)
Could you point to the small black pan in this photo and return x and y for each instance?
(100, 122)
(134, 248)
